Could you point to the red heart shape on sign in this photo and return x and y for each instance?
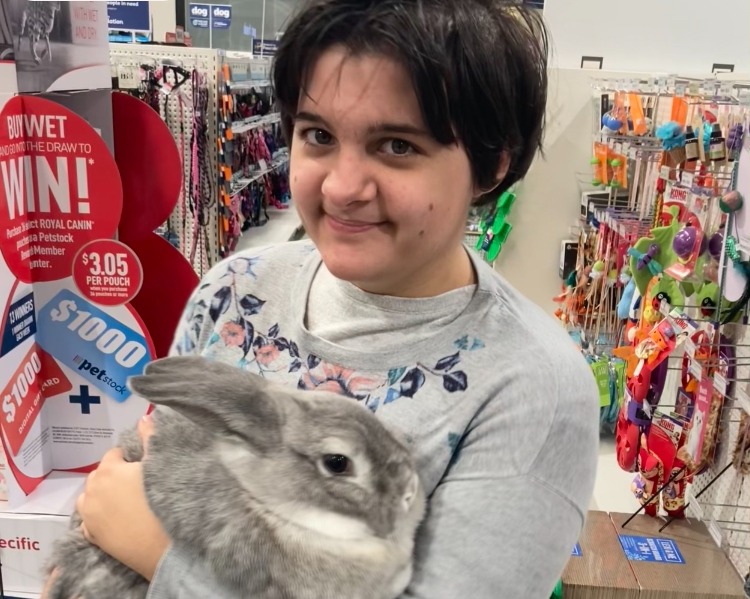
(151, 172)
(149, 163)
(59, 188)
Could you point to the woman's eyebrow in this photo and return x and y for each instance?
(383, 127)
(395, 128)
(311, 117)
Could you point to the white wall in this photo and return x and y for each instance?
(685, 36)
(549, 197)
(162, 18)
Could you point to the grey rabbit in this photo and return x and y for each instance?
(281, 493)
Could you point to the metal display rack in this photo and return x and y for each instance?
(246, 170)
(177, 111)
(720, 494)
(220, 74)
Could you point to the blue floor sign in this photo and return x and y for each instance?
(651, 549)
(577, 550)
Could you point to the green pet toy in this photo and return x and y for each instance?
(494, 229)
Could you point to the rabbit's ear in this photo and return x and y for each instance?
(215, 396)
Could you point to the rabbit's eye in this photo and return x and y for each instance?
(337, 464)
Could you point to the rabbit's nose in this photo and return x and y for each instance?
(411, 492)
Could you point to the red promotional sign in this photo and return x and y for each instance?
(107, 272)
(37, 377)
(59, 188)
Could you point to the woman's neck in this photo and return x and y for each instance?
(441, 276)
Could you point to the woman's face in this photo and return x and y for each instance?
(384, 203)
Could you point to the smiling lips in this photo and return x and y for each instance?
(349, 227)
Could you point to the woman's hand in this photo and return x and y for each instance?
(116, 516)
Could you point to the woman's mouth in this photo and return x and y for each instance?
(349, 227)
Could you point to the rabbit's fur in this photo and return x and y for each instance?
(236, 473)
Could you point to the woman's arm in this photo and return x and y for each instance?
(492, 535)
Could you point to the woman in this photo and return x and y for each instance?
(400, 115)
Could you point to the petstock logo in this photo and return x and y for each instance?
(100, 374)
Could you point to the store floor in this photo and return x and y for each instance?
(612, 491)
(280, 227)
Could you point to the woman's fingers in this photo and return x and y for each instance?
(49, 583)
(79, 508)
(145, 430)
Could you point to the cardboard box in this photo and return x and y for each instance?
(601, 571)
(706, 572)
(28, 532)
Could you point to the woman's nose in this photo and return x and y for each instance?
(349, 180)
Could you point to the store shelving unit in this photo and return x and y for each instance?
(221, 73)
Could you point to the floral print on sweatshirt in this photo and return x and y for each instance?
(238, 337)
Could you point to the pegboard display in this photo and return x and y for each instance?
(188, 105)
(724, 490)
(657, 297)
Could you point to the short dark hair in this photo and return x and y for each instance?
(479, 69)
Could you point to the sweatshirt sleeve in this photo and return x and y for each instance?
(490, 534)
(180, 576)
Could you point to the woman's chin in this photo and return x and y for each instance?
(345, 265)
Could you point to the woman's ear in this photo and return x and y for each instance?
(500, 174)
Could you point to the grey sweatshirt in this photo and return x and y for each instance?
(499, 406)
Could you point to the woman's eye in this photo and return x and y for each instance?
(398, 147)
(318, 137)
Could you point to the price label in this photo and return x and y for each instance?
(107, 272)
(696, 369)
(715, 531)
(743, 399)
(695, 505)
(37, 377)
(720, 384)
(109, 264)
(680, 89)
(128, 76)
(690, 347)
(665, 308)
(88, 340)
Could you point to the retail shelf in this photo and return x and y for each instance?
(255, 122)
(249, 83)
(241, 183)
